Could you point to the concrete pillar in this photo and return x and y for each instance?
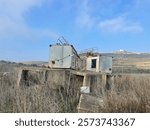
(19, 77)
(103, 84)
(86, 80)
(110, 82)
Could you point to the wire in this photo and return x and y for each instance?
(63, 58)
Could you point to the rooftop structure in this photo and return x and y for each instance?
(63, 56)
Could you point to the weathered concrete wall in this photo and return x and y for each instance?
(66, 83)
(61, 83)
(98, 85)
(53, 78)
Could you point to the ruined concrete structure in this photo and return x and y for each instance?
(63, 56)
(99, 63)
(66, 69)
(88, 103)
(67, 81)
(59, 77)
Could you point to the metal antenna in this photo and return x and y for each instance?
(60, 40)
(65, 40)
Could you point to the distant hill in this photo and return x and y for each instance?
(122, 52)
(38, 63)
(7, 66)
(130, 62)
(128, 55)
(123, 61)
(125, 52)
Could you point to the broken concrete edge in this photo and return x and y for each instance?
(88, 103)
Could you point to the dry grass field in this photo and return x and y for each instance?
(131, 65)
(34, 95)
(26, 99)
(34, 98)
(130, 93)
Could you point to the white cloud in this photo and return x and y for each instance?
(119, 24)
(13, 10)
(12, 22)
(84, 19)
(109, 16)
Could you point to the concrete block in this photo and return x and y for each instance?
(89, 103)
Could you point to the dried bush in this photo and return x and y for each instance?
(37, 96)
(130, 94)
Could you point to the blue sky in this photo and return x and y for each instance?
(27, 27)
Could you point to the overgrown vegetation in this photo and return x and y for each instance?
(36, 96)
(130, 94)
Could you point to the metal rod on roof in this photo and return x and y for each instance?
(60, 41)
(65, 40)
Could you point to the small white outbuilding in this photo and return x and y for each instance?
(99, 63)
(63, 56)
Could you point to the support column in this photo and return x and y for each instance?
(19, 77)
(86, 80)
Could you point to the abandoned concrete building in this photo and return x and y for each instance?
(99, 63)
(95, 69)
(89, 73)
(63, 56)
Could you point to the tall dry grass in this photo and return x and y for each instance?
(130, 94)
(37, 97)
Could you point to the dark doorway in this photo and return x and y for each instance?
(93, 65)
